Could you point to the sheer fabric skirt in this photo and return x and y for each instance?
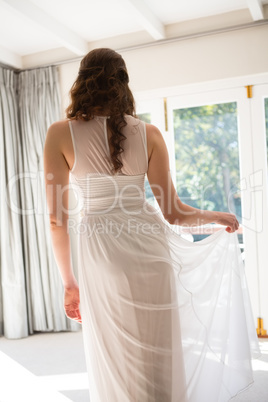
(164, 319)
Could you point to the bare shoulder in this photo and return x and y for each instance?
(59, 126)
(154, 138)
(152, 132)
(59, 142)
(58, 132)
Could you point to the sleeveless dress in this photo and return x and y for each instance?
(163, 319)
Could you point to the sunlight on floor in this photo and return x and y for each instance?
(19, 384)
(262, 363)
(66, 382)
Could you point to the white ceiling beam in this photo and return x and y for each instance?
(146, 18)
(256, 9)
(9, 58)
(62, 34)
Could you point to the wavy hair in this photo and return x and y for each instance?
(101, 86)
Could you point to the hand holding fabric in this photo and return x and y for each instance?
(228, 220)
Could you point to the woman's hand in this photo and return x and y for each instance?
(229, 220)
(71, 303)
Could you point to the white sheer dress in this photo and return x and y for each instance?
(164, 319)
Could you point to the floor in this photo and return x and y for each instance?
(57, 359)
(51, 367)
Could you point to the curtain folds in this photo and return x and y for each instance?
(13, 311)
(32, 293)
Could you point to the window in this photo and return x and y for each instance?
(207, 157)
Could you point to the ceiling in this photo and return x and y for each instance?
(29, 27)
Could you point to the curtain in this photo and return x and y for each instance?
(13, 311)
(30, 261)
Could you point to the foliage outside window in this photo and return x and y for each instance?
(207, 158)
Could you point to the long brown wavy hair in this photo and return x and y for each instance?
(100, 87)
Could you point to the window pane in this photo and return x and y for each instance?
(207, 157)
(146, 117)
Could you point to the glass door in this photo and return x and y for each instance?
(217, 143)
(207, 173)
(214, 166)
(259, 184)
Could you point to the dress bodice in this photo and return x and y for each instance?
(97, 188)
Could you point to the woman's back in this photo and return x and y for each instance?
(92, 151)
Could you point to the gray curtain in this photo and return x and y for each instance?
(13, 311)
(36, 302)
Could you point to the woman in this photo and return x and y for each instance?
(163, 319)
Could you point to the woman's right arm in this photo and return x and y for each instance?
(173, 209)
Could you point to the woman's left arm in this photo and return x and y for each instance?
(56, 172)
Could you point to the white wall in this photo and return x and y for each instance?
(218, 56)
